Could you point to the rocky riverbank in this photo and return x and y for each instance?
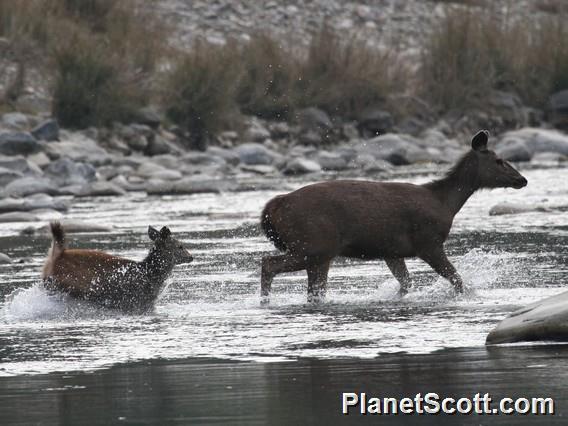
(44, 168)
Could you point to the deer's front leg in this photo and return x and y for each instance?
(400, 272)
(439, 262)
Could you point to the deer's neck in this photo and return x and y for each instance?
(458, 185)
(157, 267)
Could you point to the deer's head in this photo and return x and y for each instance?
(169, 247)
(494, 172)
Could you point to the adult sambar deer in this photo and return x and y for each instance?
(113, 281)
(377, 220)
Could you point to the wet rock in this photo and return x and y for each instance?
(314, 119)
(168, 161)
(7, 176)
(301, 166)
(229, 156)
(72, 226)
(18, 217)
(40, 159)
(79, 148)
(15, 121)
(18, 143)
(202, 159)
(148, 168)
(546, 320)
(370, 164)
(47, 131)
(515, 208)
(66, 172)
(523, 144)
(396, 149)
(558, 109)
(374, 122)
(256, 154)
(260, 169)
(30, 185)
(331, 161)
(256, 131)
(166, 175)
(157, 145)
(125, 184)
(548, 157)
(5, 259)
(148, 116)
(44, 201)
(508, 107)
(188, 186)
(100, 188)
(21, 165)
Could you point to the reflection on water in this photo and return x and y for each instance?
(304, 392)
(211, 307)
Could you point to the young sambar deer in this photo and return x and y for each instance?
(377, 220)
(112, 281)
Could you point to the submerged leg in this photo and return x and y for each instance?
(400, 272)
(439, 262)
(317, 281)
(274, 265)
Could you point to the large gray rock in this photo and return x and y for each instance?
(558, 109)
(255, 154)
(100, 188)
(374, 122)
(5, 259)
(47, 131)
(314, 119)
(68, 172)
(331, 161)
(229, 156)
(30, 185)
(256, 132)
(546, 320)
(21, 165)
(396, 149)
(505, 208)
(15, 121)
(523, 144)
(33, 202)
(18, 143)
(301, 166)
(188, 186)
(71, 226)
(7, 176)
(18, 217)
(79, 148)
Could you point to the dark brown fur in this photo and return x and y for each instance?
(375, 220)
(112, 281)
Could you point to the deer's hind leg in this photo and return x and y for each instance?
(317, 281)
(398, 268)
(274, 265)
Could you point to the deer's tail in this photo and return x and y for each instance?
(58, 234)
(268, 226)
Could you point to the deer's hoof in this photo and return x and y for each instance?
(316, 298)
(403, 291)
(264, 300)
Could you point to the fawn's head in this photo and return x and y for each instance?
(169, 247)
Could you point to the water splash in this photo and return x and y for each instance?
(37, 304)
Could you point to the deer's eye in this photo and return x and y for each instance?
(500, 162)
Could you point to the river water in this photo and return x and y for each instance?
(210, 308)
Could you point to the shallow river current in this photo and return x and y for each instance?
(210, 308)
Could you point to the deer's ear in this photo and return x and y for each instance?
(479, 141)
(165, 232)
(153, 233)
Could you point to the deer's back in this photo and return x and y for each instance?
(359, 219)
(80, 272)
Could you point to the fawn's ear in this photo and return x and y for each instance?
(479, 141)
(165, 232)
(153, 233)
